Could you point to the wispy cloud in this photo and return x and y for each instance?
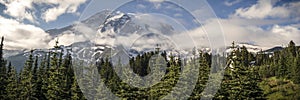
(228, 3)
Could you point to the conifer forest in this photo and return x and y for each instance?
(149, 49)
(275, 76)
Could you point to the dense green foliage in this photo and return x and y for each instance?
(247, 76)
(51, 78)
(283, 89)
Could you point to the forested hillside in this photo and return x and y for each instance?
(247, 76)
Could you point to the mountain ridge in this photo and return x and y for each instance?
(110, 23)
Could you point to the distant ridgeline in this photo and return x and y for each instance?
(52, 76)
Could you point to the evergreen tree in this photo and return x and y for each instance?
(67, 78)
(167, 83)
(54, 77)
(26, 81)
(36, 86)
(60, 77)
(240, 81)
(12, 85)
(204, 71)
(3, 72)
(54, 86)
(296, 69)
(282, 68)
(292, 49)
(292, 62)
(244, 56)
(42, 79)
(44, 73)
(76, 93)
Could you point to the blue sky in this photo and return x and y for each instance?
(255, 21)
(222, 8)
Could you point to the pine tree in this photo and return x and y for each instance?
(167, 83)
(244, 56)
(282, 68)
(54, 90)
(44, 72)
(60, 74)
(26, 81)
(12, 85)
(76, 93)
(42, 79)
(3, 73)
(36, 86)
(203, 75)
(67, 78)
(240, 81)
(292, 49)
(296, 69)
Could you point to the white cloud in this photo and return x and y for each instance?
(19, 36)
(64, 6)
(24, 9)
(227, 3)
(268, 37)
(67, 38)
(87, 32)
(267, 9)
(287, 33)
(19, 9)
(245, 24)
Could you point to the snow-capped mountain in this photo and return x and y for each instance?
(96, 20)
(108, 27)
(274, 49)
(18, 57)
(250, 47)
(92, 22)
(141, 35)
(115, 22)
(105, 24)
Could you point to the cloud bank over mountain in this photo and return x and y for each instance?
(266, 23)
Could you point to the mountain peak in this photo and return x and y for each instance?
(115, 21)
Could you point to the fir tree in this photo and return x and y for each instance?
(240, 81)
(42, 79)
(26, 81)
(3, 73)
(12, 85)
(68, 75)
(44, 73)
(282, 68)
(296, 69)
(292, 49)
(35, 80)
(202, 77)
(76, 93)
(53, 85)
